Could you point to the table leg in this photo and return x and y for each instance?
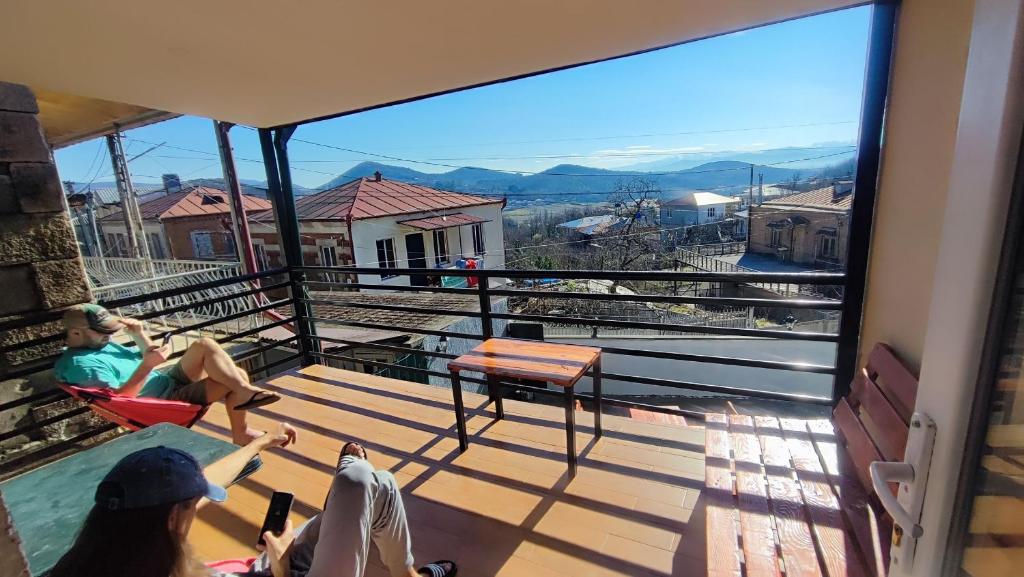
(494, 390)
(570, 430)
(460, 413)
(597, 397)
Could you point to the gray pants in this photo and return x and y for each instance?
(362, 505)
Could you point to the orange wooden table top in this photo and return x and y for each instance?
(559, 364)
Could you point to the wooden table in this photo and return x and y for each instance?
(558, 364)
(48, 505)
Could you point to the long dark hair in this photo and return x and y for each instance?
(132, 543)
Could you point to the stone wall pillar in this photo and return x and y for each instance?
(40, 267)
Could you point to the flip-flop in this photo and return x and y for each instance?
(436, 570)
(256, 400)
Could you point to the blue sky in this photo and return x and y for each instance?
(792, 84)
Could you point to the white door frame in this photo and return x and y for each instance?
(988, 136)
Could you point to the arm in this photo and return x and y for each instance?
(151, 359)
(137, 332)
(226, 470)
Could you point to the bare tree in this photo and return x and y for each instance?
(636, 236)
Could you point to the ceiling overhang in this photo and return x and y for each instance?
(268, 63)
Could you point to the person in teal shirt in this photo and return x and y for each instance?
(203, 375)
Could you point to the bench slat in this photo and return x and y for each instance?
(871, 526)
(890, 430)
(858, 443)
(723, 553)
(759, 551)
(895, 380)
(787, 503)
(837, 548)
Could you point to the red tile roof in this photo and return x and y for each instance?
(368, 198)
(818, 198)
(198, 201)
(444, 221)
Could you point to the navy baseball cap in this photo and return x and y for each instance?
(155, 476)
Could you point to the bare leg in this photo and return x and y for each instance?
(205, 358)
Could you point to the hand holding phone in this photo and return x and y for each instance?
(167, 339)
(277, 514)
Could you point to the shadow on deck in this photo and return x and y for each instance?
(506, 506)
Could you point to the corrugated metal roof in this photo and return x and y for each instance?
(443, 221)
(198, 201)
(701, 199)
(368, 198)
(818, 198)
(108, 195)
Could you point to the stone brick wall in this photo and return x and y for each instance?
(179, 235)
(40, 267)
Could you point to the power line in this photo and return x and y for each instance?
(647, 135)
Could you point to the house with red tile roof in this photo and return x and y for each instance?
(375, 222)
(193, 224)
(808, 228)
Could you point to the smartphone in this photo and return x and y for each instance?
(277, 514)
(167, 339)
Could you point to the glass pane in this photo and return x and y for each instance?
(995, 540)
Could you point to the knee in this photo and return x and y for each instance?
(207, 343)
(357, 476)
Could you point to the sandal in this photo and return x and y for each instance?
(258, 399)
(437, 569)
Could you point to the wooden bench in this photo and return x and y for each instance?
(793, 496)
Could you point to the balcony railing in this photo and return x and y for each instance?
(496, 286)
(105, 272)
(721, 342)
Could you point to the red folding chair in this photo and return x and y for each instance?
(136, 412)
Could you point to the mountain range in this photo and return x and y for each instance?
(581, 183)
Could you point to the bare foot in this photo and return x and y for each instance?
(248, 436)
(353, 449)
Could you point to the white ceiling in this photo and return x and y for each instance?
(272, 62)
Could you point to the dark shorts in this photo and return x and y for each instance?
(184, 389)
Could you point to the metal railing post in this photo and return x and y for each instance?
(486, 323)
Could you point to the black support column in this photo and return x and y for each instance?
(274, 143)
(869, 152)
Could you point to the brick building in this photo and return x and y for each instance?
(393, 224)
(807, 228)
(194, 224)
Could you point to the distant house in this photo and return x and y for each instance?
(808, 228)
(194, 224)
(375, 222)
(697, 208)
(590, 225)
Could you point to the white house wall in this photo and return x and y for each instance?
(366, 233)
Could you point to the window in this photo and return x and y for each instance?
(156, 248)
(260, 252)
(202, 244)
(776, 237)
(711, 212)
(122, 246)
(827, 247)
(440, 247)
(386, 256)
(478, 240)
(328, 255)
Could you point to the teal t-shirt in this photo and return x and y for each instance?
(110, 366)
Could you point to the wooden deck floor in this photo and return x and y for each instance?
(506, 506)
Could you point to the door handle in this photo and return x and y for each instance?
(883, 473)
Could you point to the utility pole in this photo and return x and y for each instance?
(750, 191)
(760, 188)
(239, 220)
(137, 246)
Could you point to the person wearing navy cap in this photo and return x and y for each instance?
(145, 505)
